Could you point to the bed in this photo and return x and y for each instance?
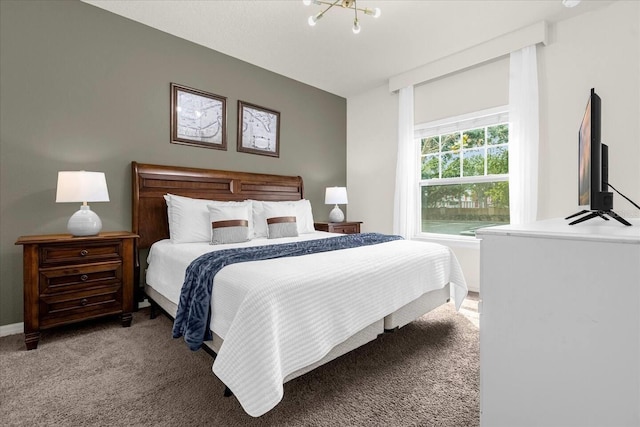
(273, 320)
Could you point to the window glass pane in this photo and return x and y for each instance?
(430, 145)
(451, 142)
(451, 165)
(464, 151)
(473, 164)
(460, 209)
(497, 160)
(430, 166)
(473, 138)
(498, 134)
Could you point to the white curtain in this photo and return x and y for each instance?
(404, 209)
(523, 136)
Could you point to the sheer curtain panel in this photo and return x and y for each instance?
(523, 135)
(405, 209)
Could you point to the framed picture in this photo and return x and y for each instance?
(258, 130)
(198, 118)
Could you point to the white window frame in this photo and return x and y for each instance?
(483, 118)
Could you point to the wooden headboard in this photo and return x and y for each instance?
(152, 182)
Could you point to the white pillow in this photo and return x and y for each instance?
(304, 216)
(259, 220)
(229, 224)
(303, 213)
(280, 219)
(189, 218)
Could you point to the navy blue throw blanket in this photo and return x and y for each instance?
(193, 316)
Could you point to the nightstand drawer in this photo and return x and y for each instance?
(68, 307)
(346, 229)
(64, 279)
(81, 252)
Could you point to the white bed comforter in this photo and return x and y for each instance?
(290, 312)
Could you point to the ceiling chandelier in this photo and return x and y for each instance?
(346, 4)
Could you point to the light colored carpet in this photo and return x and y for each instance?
(469, 308)
(98, 373)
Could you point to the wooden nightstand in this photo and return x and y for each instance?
(69, 279)
(348, 227)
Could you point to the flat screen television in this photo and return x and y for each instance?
(592, 164)
(593, 167)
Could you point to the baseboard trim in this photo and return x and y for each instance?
(12, 329)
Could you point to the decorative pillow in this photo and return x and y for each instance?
(189, 218)
(229, 224)
(282, 226)
(246, 204)
(280, 220)
(303, 214)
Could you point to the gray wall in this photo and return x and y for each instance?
(82, 88)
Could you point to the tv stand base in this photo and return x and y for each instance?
(593, 214)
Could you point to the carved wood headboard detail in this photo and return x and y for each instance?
(152, 182)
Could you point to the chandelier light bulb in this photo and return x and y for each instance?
(356, 27)
(306, 2)
(312, 20)
(375, 12)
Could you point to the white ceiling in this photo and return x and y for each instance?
(275, 35)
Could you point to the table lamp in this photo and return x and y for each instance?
(82, 186)
(336, 196)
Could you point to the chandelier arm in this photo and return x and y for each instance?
(331, 4)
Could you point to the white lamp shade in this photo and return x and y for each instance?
(81, 186)
(336, 196)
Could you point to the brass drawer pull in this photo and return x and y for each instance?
(84, 252)
(84, 277)
(84, 301)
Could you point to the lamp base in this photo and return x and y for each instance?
(336, 215)
(84, 222)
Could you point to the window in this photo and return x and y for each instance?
(464, 173)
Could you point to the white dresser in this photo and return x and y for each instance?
(560, 324)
